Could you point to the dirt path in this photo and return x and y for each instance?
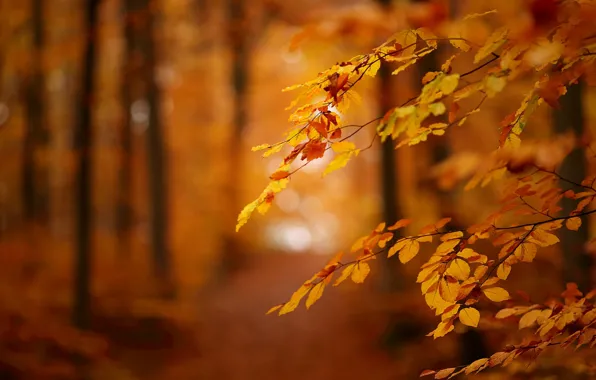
(238, 341)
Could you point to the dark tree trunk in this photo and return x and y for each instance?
(577, 263)
(400, 328)
(82, 290)
(123, 198)
(472, 346)
(141, 88)
(238, 38)
(156, 150)
(35, 176)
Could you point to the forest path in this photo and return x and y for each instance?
(238, 341)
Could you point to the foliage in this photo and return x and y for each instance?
(556, 48)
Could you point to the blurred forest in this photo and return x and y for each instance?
(125, 136)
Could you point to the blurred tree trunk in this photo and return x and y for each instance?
(35, 176)
(81, 312)
(156, 154)
(569, 118)
(472, 346)
(238, 38)
(124, 199)
(398, 329)
(142, 97)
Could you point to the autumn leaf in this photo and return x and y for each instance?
(361, 270)
(476, 366)
(399, 224)
(444, 373)
(347, 271)
(459, 269)
(496, 294)
(315, 294)
(529, 318)
(469, 316)
(279, 175)
(274, 308)
(573, 224)
(409, 251)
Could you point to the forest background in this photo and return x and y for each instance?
(125, 132)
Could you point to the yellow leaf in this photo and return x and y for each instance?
(442, 329)
(452, 235)
(469, 317)
(476, 366)
(399, 224)
(526, 252)
(374, 67)
(343, 146)
(442, 374)
(449, 84)
(345, 274)
(397, 247)
(494, 42)
(447, 246)
(459, 44)
(475, 15)
(294, 301)
(425, 239)
(409, 251)
(503, 271)
(543, 238)
(361, 270)
(496, 294)
(459, 269)
(448, 289)
(529, 318)
(274, 308)
(494, 85)
(573, 223)
(315, 294)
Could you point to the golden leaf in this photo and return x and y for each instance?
(526, 252)
(543, 238)
(447, 246)
(469, 317)
(345, 274)
(361, 270)
(444, 373)
(409, 251)
(494, 42)
(459, 269)
(573, 223)
(274, 308)
(448, 289)
(529, 318)
(496, 294)
(294, 301)
(397, 247)
(476, 366)
(503, 271)
(315, 294)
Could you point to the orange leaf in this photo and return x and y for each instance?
(573, 223)
(279, 175)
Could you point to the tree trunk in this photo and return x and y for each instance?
(35, 176)
(569, 117)
(123, 197)
(232, 256)
(156, 151)
(81, 312)
(472, 346)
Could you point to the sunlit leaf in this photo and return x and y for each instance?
(469, 316)
(496, 294)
